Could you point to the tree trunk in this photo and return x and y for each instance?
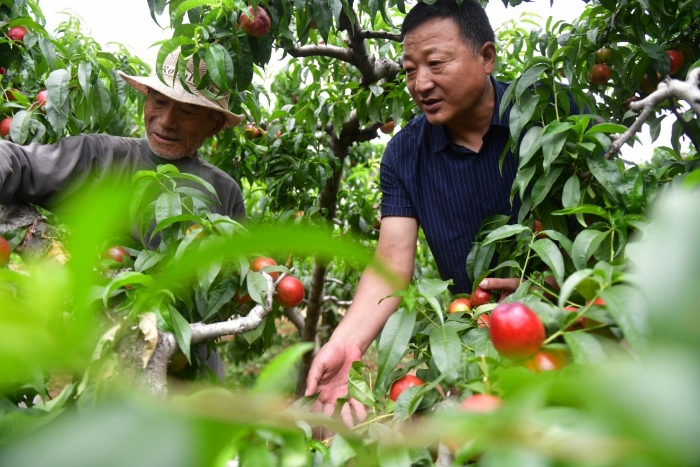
(327, 201)
(152, 379)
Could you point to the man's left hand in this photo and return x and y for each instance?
(504, 286)
(509, 285)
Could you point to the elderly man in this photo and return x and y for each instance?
(441, 171)
(177, 123)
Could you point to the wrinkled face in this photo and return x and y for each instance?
(175, 129)
(443, 75)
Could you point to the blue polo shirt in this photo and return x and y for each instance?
(448, 188)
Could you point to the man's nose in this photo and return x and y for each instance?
(424, 81)
(168, 118)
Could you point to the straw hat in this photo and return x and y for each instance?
(180, 94)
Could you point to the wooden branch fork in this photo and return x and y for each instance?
(151, 376)
(668, 89)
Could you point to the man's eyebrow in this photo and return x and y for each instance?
(191, 107)
(431, 49)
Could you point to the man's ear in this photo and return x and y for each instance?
(220, 120)
(488, 54)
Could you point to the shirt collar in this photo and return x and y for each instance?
(442, 142)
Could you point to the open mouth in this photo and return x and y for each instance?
(430, 105)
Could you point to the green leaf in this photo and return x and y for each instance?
(521, 113)
(393, 343)
(168, 205)
(257, 286)
(140, 187)
(557, 127)
(571, 196)
(19, 128)
(543, 186)
(563, 240)
(122, 279)
(583, 209)
(632, 189)
(446, 350)
(503, 232)
(432, 287)
(482, 261)
(102, 104)
(550, 254)
(408, 402)
(607, 128)
(57, 104)
(49, 52)
(505, 264)
(507, 98)
(172, 220)
(185, 243)
(522, 180)
(585, 348)
(551, 148)
(585, 244)
(341, 451)
(608, 175)
(358, 388)
(219, 65)
(492, 223)
(146, 260)
(220, 295)
(627, 307)
(199, 180)
(276, 374)
(393, 454)
(183, 331)
(193, 193)
(530, 77)
(570, 285)
(435, 305)
(188, 5)
(84, 73)
(531, 142)
(169, 46)
(323, 14)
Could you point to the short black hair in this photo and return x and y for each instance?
(470, 17)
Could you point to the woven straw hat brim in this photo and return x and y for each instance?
(142, 83)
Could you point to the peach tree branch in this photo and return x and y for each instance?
(203, 332)
(670, 88)
(323, 51)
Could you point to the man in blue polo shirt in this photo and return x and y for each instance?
(441, 171)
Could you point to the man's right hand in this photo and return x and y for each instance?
(329, 377)
(364, 319)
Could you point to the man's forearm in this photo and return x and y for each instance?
(366, 316)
